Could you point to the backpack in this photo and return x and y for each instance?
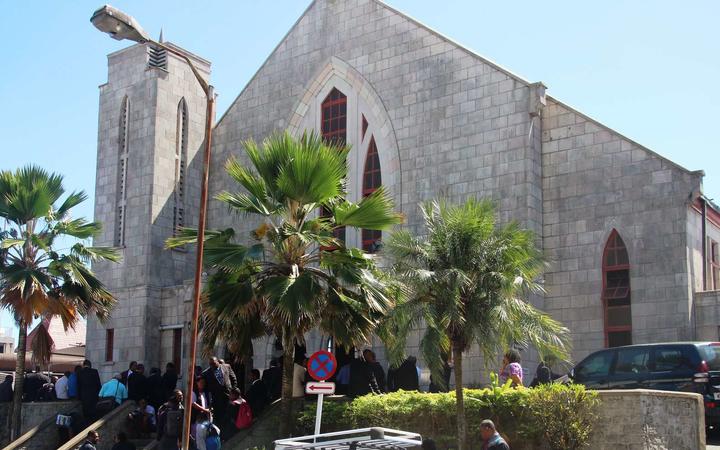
(212, 441)
(244, 416)
(173, 422)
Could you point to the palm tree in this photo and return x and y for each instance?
(296, 275)
(38, 279)
(465, 281)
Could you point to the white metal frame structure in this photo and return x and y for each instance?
(360, 439)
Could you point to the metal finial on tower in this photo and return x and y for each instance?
(160, 39)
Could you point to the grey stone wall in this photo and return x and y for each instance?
(594, 181)
(649, 420)
(461, 125)
(154, 95)
(707, 316)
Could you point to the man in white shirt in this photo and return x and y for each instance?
(61, 387)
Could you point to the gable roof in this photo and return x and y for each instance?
(60, 338)
(470, 52)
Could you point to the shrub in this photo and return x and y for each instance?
(552, 417)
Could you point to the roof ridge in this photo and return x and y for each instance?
(621, 135)
(454, 42)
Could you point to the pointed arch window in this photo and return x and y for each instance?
(372, 180)
(334, 131)
(123, 153)
(334, 117)
(616, 293)
(181, 142)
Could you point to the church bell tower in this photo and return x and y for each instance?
(150, 131)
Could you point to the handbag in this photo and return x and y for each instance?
(107, 404)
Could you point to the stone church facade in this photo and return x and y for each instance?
(632, 240)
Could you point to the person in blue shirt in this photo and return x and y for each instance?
(73, 383)
(114, 388)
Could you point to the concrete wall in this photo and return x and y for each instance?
(34, 414)
(649, 420)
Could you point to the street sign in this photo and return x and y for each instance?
(319, 387)
(321, 365)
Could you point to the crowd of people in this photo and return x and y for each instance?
(219, 408)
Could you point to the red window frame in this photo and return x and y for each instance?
(616, 284)
(177, 347)
(714, 258)
(333, 122)
(109, 344)
(372, 180)
(333, 126)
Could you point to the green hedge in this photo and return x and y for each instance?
(551, 416)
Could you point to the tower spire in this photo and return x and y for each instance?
(160, 39)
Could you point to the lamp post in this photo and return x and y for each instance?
(123, 26)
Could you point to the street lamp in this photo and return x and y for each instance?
(121, 26)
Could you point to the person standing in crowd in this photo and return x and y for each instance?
(445, 385)
(206, 432)
(33, 384)
(511, 369)
(115, 389)
(240, 415)
(220, 381)
(155, 389)
(362, 379)
(272, 377)
(376, 369)
(72, 382)
(169, 380)
(91, 441)
(405, 377)
(299, 371)
(47, 391)
(202, 399)
(257, 394)
(491, 438)
(122, 442)
(137, 383)
(126, 375)
(88, 383)
(61, 387)
(142, 418)
(6, 389)
(170, 421)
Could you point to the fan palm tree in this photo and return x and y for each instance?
(296, 275)
(465, 280)
(38, 279)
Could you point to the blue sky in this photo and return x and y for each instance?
(645, 68)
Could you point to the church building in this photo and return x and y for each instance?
(632, 240)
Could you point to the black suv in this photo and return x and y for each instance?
(676, 366)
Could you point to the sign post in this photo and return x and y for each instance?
(321, 366)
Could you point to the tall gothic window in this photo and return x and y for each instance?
(334, 117)
(123, 133)
(334, 130)
(616, 292)
(371, 181)
(180, 167)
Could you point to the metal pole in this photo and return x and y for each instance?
(209, 118)
(318, 413)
